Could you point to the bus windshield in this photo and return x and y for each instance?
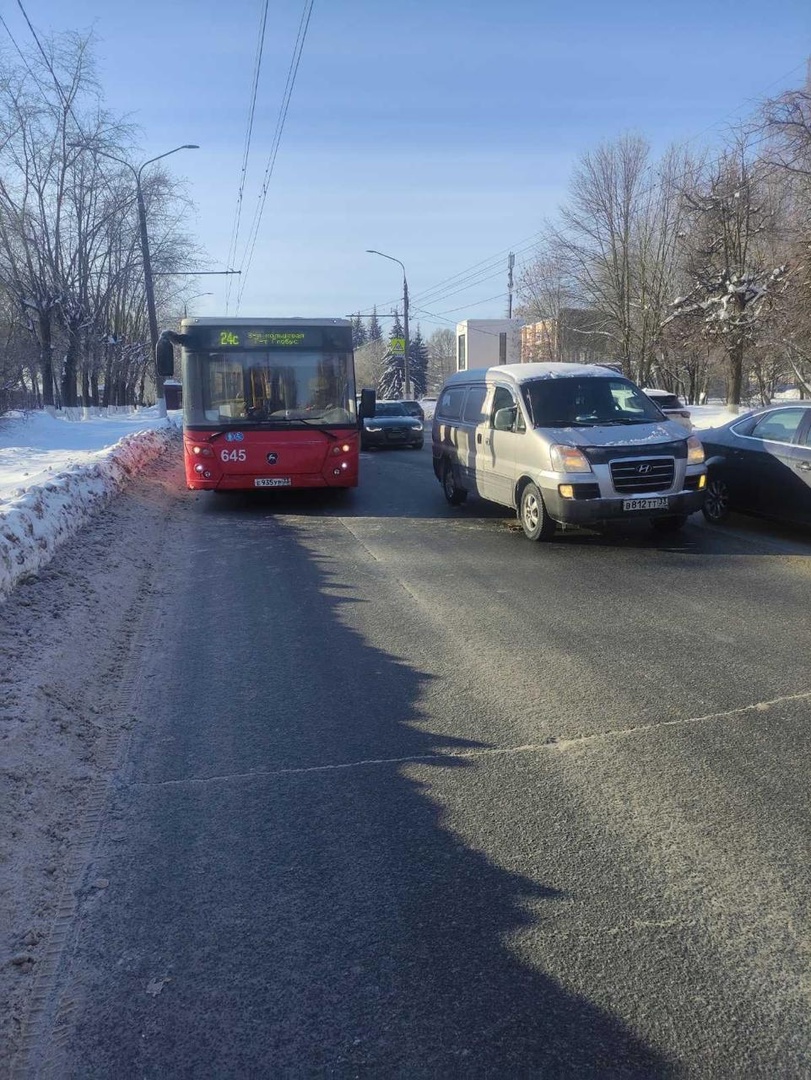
(269, 386)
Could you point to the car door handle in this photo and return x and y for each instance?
(479, 438)
(804, 465)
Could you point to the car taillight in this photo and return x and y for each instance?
(343, 448)
(201, 451)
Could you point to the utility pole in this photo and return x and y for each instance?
(406, 390)
(406, 381)
(510, 265)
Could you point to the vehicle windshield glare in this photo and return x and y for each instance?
(390, 408)
(587, 402)
(264, 386)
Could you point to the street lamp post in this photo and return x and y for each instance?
(190, 298)
(149, 288)
(406, 388)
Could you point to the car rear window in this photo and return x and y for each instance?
(666, 401)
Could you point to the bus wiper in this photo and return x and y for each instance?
(309, 422)
(215, 435)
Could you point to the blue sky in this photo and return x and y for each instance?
(439, 131)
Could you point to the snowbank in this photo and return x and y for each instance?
(55, 474)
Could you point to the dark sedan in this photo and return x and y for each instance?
(761, 464)
(391, 426)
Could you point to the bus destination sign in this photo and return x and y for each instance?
(247, 337)
(262, 339)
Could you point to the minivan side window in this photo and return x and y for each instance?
(474, 406)
(450, 404)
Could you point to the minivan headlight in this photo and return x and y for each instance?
(568, 459)
(695, 451)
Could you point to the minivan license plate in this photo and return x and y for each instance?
(273, 481)
(645, 504)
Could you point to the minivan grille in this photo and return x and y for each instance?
(642, 474)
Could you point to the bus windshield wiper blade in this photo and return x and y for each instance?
(308, 421)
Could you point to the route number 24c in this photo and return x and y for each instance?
(233, 455)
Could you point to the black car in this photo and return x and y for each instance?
(391, 425)
(761, 464)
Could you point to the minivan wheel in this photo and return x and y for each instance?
(716, 503)
(453, 493)
(535, 521)
(670, 524)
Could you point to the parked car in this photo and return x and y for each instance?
(564, 444)
(391, 425)
(428, 407)
(761, 464)
(671, 406)
(413, 408)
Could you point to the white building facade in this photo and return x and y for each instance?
(488, 342)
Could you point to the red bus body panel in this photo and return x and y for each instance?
(234, 460)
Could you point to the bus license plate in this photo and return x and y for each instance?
(645, 504)
(273, 481)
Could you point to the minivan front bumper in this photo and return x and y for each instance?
(599, 509)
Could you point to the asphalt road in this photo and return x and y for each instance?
(408, 795)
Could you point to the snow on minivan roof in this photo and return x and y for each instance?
(521, 373)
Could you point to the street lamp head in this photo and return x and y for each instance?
(190, 146)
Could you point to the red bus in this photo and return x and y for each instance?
(267, 403)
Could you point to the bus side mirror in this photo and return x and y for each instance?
(368, 403)
(165, 357)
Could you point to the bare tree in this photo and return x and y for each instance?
(733, 283)
(69, 251)
(545, 291)
(442, 358)
(786, 123)
(617, 244)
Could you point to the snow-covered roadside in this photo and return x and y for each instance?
(55, 474)
(68, 673)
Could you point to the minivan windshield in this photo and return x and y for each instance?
(587, 401)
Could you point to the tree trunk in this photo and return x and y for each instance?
(69, 369)
(46, 358)
(734, 391)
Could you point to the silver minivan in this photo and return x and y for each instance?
(564, 444)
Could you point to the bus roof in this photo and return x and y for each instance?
(194, 320)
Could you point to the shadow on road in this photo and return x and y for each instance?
(741, 536)
(313, 912)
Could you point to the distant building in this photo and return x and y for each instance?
(575, 336)
(488, 342)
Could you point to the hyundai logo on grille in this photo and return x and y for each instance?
(272, 459)
(643, 470)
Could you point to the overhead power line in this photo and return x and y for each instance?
(247, 258)
(470, 277)
(232, 251)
